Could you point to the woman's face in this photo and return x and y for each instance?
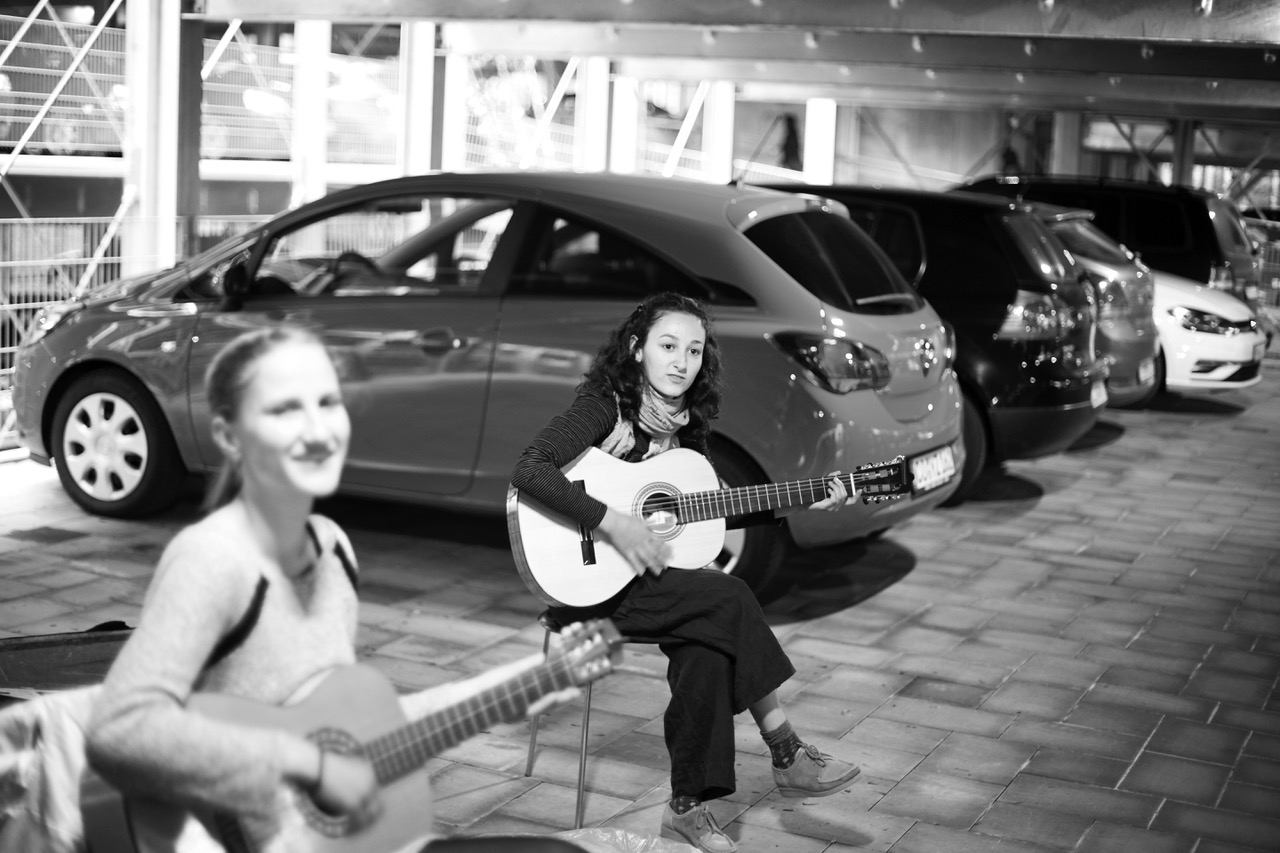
(671, 355)
(292, 430)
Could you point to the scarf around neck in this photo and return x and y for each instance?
(660, 418)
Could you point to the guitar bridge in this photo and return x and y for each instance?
(586, 541)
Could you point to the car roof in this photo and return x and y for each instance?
(699, 203)
(971, 199)
(1087, 181)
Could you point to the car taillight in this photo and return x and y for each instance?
(835, 364)
(1038, 317)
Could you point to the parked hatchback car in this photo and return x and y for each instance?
(1209, 340)
(1024, 315)
(1189, 232)
(1127, 339)
(465, 309)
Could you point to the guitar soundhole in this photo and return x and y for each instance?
(324, 823)
(659, 509)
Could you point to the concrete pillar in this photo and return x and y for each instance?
(591, 115)
(453, 113)
(1184, 151)
(717, 132)
(421, 98)
(848, 143)
(624, 137)
(309, 128)
(1068, 139)
(161, 145)
(819, 141)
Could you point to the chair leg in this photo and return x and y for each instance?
(533, 724)
(582, 760)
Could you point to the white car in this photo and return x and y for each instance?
(1209, 340)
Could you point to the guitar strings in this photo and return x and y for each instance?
(716, 503)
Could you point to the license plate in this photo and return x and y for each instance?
(1146, 371)
(933, 469)
(1098, 394)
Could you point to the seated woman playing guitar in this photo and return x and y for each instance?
(252, 602)
(654, 385)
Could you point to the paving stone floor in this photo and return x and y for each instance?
(1084, 657)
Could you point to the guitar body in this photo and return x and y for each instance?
(353, 704)
(545, 543)
(350, 709)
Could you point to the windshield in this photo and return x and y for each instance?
(1226, 221)
(835, 261)
(1083, 238)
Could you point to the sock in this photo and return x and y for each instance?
(681, 805)
(783, 743)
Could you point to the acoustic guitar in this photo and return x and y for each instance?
(678, 495)
(353, 710)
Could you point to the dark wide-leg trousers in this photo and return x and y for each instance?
(722, 658)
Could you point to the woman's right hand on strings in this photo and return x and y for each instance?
(635, 541)
(339, 784)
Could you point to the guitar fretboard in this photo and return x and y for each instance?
(404, 750)
(722, 503)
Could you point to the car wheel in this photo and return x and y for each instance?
(976, 442)
(755, 554)
(115, 454)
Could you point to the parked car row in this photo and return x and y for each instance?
(1054, 317)
(939, 332)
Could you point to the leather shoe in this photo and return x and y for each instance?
(813, 774)
(698, 827)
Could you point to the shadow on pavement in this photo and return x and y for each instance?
(828, 580)
(1193, 405)
(1103, 433)
(995, 483)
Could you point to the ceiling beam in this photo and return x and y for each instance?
(1247, 21)
(1028, 55)
(1247, 101)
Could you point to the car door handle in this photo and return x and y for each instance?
(438, 341)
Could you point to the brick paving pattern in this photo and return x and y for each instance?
(1082, 658)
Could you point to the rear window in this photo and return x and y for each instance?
(1083, 238)
(1157, 224)
(1037, 244)
(835, 261)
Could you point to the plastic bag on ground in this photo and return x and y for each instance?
(41, 759)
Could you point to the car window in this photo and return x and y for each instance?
(572, 257)
(1228, 226)
(1085, 239)
(405, 245)
(836, 261)
(1157, 224)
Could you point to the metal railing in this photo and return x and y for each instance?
(246, 106)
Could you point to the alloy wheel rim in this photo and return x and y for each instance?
(104, 447)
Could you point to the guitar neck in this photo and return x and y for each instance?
(722, 503)
(404, 750)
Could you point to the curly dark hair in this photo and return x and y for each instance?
(615, 369)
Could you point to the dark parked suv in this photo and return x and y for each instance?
(1023, 313)
(1188, 232)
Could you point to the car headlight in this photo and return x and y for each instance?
(836, 364)
(48, 318)
(1203, 321)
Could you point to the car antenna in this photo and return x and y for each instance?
(736, 180)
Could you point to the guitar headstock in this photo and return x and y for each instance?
(590, 649)
(879, 482)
